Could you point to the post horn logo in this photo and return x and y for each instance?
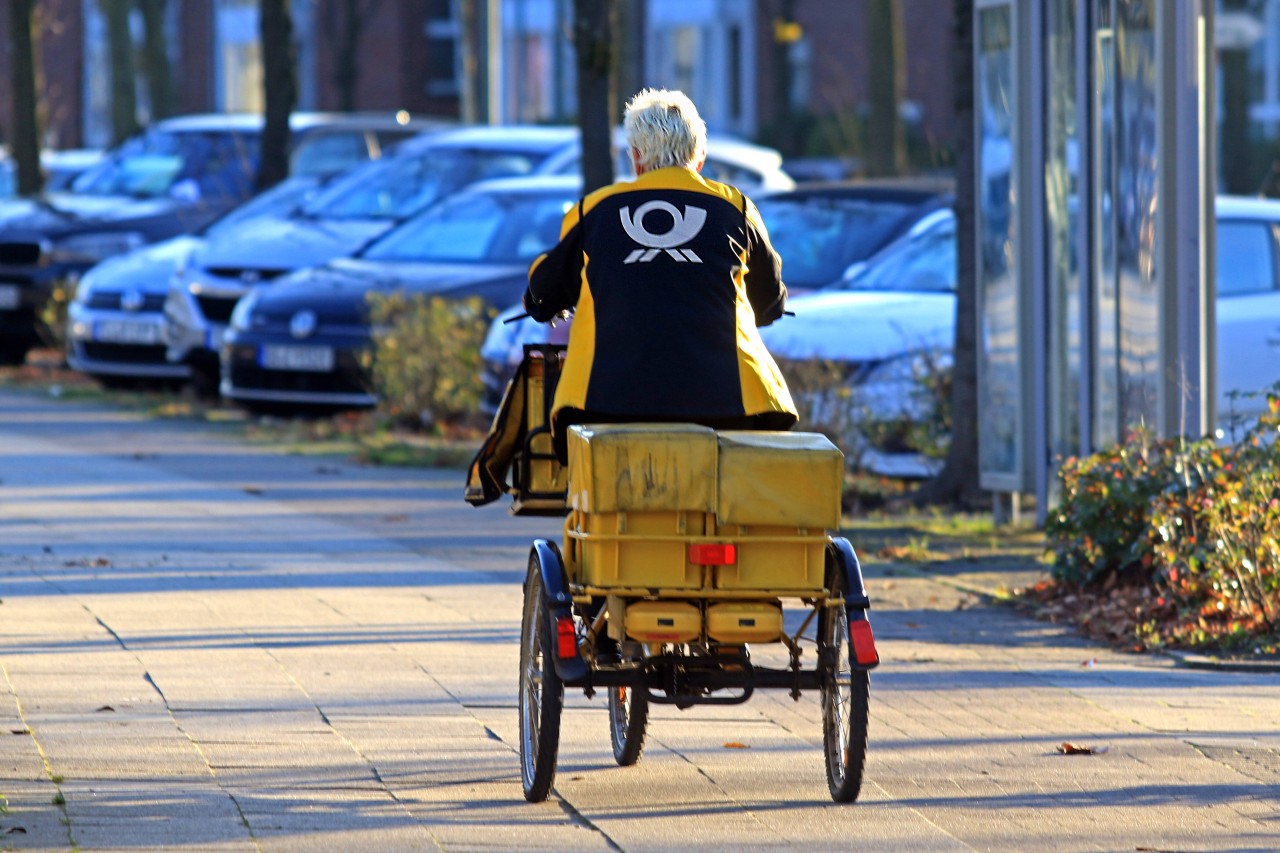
(683, 229)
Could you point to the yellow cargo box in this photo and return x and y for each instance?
(642, 467)
(787, 479)
(768, 557)
(745, 622)
(635, 549)
(663, 621)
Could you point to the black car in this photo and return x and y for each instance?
(171, 179)
(300, 342)
(826, 231)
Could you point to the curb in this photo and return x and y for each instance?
(1187, 660)
(1190, 660)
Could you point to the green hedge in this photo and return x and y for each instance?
(425, 363)
(1197, 521)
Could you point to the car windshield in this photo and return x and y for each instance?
(478, 228)
(398, 187)
(280, 200)
(189, 164)
(819, 237)
(924, 261)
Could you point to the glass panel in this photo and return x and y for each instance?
(1062, 204)
(997, 280)
(1245, 264)
(1136, 204)
(1106, 361)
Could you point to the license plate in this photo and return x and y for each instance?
(290, 357)
(10, 297)
(126, 332)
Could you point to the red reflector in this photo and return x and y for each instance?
(863, 642)
(566, 638)
(713, 555)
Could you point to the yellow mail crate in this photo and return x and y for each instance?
(788, 479)
(635, 549)
(642, 467)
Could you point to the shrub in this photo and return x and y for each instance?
(1195, 522)
(425, 363)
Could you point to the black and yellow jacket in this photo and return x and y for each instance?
(670, 276)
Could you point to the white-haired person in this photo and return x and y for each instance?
(669, 276)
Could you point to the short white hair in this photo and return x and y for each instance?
(664, 127)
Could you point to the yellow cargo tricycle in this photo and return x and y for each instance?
(681, 546)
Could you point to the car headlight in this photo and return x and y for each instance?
(83, 289)
(242, 314)
(94, 247)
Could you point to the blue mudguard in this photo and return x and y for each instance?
(573, 670)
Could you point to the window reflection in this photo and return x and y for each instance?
(997, 283)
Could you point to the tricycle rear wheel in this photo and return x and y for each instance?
(628, 717)
(541, 691)
(846, 699)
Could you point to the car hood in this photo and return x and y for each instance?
(862, 325)
(67, 213)
(341, 287)
(287, 244)
(147, 269)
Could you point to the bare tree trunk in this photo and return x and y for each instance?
(1235, 159)
(629, 35)
(886, 139)
(788, 129)
(957, 482)
(469, 73)
(124, 95)
(155, 58)
(346, 24)
(280, 90)
(25, 136)
(593, 24)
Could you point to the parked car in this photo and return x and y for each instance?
(896, 318)
(115, 322)
(752, 168)
(347, 215)
(823, 232)
(171, 179)
(60, 168)
(299, 342)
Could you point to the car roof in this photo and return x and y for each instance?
(1247, 206)
(529, 184)
(902, 191)
(298, 121)
(524, 137)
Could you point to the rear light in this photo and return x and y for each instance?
(713, 555)
(863, 643)
(566, 638)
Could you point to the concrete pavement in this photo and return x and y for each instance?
(207, 645)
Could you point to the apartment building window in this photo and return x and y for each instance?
(238, 57)
(443, 31)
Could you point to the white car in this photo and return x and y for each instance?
(894, 323)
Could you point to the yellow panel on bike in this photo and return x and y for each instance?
(625, 549)
(774, 565)
(642, 467)
(663, 621)
(745, 622)
(792, 479)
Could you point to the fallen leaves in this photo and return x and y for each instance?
(1068, 748)
(733, 744)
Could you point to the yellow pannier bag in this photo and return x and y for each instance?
(663, 621)
(744, 622)
(779, 479)
(642, 467)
